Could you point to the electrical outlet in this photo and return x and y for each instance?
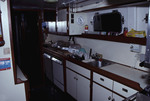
(6, 51)
(135, 48)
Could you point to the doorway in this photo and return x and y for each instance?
(26, 37)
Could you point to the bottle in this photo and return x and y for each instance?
(125, 31)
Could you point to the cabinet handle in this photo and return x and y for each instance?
(109, 98)
(125, 90)
(75, 78)
(101, 79)
(113, 99)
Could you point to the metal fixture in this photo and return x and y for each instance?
(146, 63)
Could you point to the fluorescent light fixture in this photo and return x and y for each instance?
(50, 0)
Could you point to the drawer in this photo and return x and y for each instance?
(123, 90)
(103, 80)
(81, 70)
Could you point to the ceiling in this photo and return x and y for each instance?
(34, 4)
(50, 4)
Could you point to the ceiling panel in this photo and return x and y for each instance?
(34, 3)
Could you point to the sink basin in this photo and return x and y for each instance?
(99, 64)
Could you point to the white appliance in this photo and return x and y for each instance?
(58, 73)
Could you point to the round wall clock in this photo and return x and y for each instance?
(80, 20)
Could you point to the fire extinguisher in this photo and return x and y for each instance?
(2, 42)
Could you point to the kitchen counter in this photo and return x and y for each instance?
(126, 72)
(120, 73)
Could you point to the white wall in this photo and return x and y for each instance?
(8, 90)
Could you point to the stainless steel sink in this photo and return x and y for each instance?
(99, 64)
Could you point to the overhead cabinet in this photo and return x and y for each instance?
(69, 23)
(77, 22)
(62, 26)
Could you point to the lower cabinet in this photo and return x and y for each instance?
(102, 94)
(78, 86)
(101, 85)
(117, 97)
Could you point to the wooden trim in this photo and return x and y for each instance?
(11, 42)
(122, 39)
(27, 90)
(91, 86)
(23, 9)
(2, 42)
(40, 37)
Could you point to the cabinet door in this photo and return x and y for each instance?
(117, 97)
(62, 21)
(83, 88)
(71, 83)
(101, 94)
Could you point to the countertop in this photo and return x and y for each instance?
(126, 72)
(126, 75)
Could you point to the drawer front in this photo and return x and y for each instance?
(81, 70)
(103, 80)
(123, 90)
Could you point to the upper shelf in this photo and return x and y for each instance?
(122, 39)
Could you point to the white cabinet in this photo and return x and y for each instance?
(78, 86)
(77, 22)
(103, 94)
(71, 82)
(73, 23)
(83, 88)
(123, 90)
(103, 80)
(100, 93)
(117, 97)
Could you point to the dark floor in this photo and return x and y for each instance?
(49, 92)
